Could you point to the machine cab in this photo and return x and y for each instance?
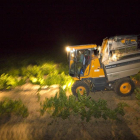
(80, 58)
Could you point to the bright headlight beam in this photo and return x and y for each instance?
(67, 49)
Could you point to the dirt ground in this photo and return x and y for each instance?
(36, 127)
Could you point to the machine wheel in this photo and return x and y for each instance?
(80, 86)
(124, 87)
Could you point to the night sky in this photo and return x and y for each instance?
(44, 26)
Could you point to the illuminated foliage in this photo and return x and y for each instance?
(8, 81)
(45, 74)
(61, 79)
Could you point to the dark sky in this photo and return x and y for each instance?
(32, 26)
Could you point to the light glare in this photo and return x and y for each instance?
(67, 49)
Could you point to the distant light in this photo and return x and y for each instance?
(67, 49)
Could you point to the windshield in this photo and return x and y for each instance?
(79, 60)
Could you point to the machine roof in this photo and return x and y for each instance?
(88, 46)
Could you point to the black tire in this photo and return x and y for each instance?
(124, 87)
(80, 85)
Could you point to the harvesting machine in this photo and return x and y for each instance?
(105, 67)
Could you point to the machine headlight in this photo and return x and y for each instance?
(67, 49)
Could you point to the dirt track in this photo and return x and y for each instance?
(36, 127)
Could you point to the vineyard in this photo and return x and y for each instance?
(36, 103)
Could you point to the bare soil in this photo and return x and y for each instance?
(36, 127)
